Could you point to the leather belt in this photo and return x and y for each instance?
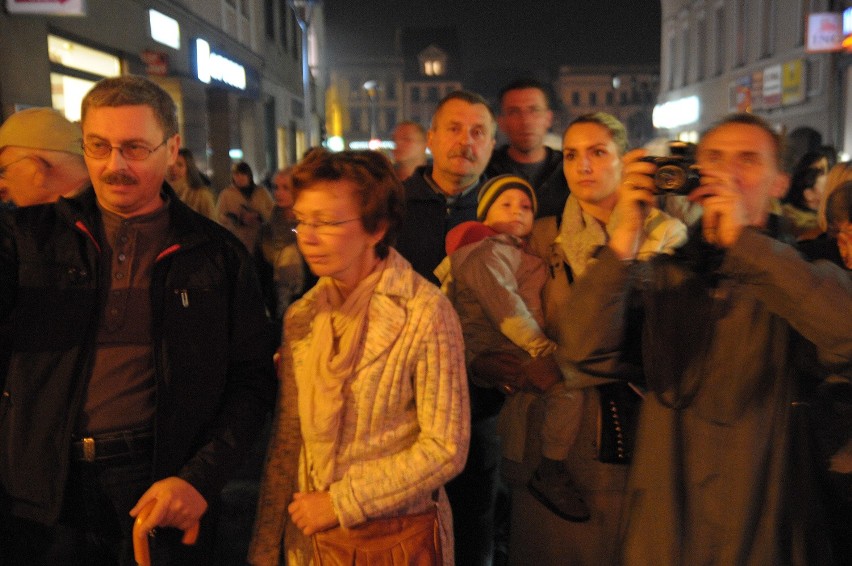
(112, 446)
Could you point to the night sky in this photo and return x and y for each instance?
(502, 39)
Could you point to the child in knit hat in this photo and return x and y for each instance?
(495, 282)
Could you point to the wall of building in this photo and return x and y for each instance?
(749, 55)
(215, 118)
(628, 93)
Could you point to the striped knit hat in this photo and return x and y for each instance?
(495, 186)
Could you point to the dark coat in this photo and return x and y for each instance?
(212, 358)
(551, 188)
(716, 477)
(428, 218)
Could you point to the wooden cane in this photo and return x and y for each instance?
(141, 549)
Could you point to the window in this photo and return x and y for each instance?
(673, 58)
(719, 55)
(768, 9)
(433, 61)
(390, 90)
(293, 30)
(684, 55)
(701, 41)
(610, 98)
(237, 20)
(804, 10)
(297, 45)
(390, 119)
(432, 95)
(269, 18)
(433, 68)
(284, 22)
(415, 94)
(593, 99)
(575, 98)
(739, 33)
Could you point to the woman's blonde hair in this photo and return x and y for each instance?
(838, 175)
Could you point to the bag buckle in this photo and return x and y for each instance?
(89, 449)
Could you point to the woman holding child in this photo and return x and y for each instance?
(594, 161)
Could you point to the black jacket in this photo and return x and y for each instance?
(428, 218)
(212, 360)
(551, 188)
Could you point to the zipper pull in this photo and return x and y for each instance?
(184, 298)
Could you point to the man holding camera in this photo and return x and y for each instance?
(720, 331)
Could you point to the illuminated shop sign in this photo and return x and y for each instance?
(676, 113)
(824, 32)
(47, 7)
(164, 29)
(211, 66)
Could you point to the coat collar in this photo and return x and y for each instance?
(185, 227)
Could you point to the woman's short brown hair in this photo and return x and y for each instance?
(377, 190)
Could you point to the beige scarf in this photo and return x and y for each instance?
(332, 356)
(580, 234)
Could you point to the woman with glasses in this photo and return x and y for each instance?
(373, 415)
(243, 206)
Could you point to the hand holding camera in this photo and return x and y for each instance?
(635, 199)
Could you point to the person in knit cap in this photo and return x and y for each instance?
(41, 158)
(495, 282)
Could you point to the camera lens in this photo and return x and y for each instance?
(670, 178)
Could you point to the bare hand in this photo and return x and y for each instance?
(503, 370)
(313, 512)
(635, 199)
(177, 504)
(542, 373)
(725, 214)
(511, 373)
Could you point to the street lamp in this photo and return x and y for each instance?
(372, 88)
(304, 11)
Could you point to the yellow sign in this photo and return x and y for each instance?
(793, 82)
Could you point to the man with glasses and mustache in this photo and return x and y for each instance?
(438, 197)
(40, 157)
(135, 367)
(443, 194)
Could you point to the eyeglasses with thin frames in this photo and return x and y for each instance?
(320, 226)
(130, 151)
(3, 168)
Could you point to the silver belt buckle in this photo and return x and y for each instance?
(89, 449)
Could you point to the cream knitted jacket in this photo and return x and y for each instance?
(406, 416)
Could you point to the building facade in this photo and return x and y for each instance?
(376, 93)
(722, 56)
(628, 92)
(232, 66)
(370, 93)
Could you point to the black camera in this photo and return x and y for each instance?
(676, 173)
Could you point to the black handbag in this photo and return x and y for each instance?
(617, 421)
